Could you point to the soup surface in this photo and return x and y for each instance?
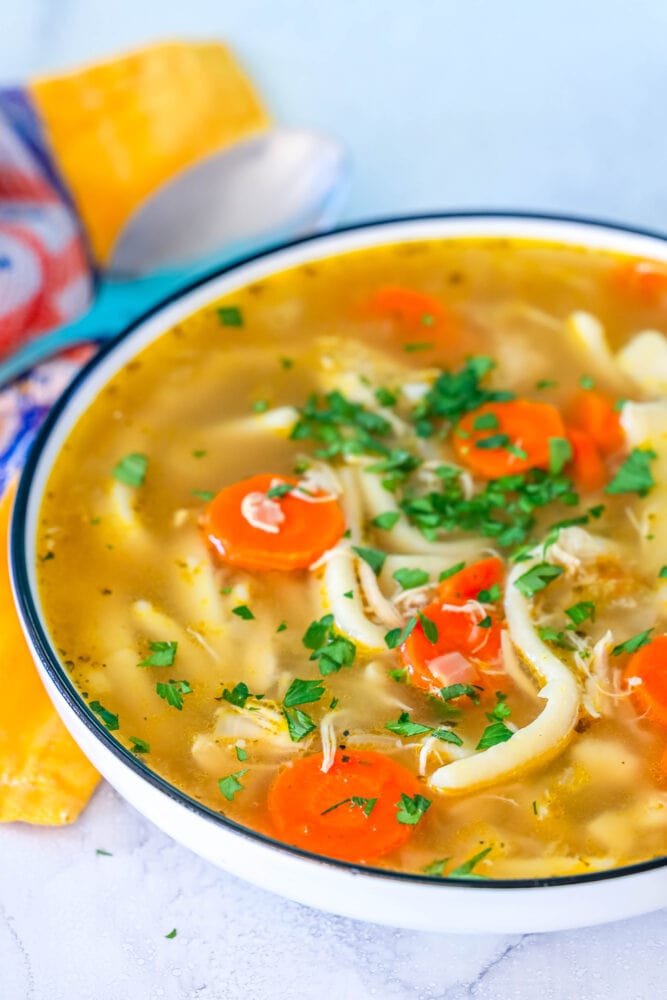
(370, 557)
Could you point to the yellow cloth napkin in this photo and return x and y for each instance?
(44, 777)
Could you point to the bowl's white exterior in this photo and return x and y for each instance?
(425, 904)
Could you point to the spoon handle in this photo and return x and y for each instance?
(40, 349)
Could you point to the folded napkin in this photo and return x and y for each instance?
(78, 154)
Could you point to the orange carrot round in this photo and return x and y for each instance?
(649, 666)
(593, 412)
(521, 427)
(469, 581)
(247, 528)
(349, 812)
(462, 650)
(645, 281)
(414, 310)
(586, 467)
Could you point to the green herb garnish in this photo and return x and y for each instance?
(131, 469)
(634, 643)
(163, 654)
(302, 692)
(387, 520)
(230, 316)
(537, 578)
(634, 476)
(409, 578)
(374, 557)
(230, 785)
(244, 612)
(172, 691)
(299, 723)
(411, 810)
(138, 745)
(108, 718)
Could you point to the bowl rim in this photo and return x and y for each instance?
(43, 647)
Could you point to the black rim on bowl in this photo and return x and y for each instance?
(20, 559)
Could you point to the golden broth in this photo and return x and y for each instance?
(121, 567)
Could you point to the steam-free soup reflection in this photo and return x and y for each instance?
(371, 557)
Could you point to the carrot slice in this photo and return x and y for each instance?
(349, 812)
(296, 530)
(587, 467)
(649, 665)
(469, 581)
(521, 425)
(461, 651)
(594, 413)
(642, 280)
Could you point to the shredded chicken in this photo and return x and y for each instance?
(262, 513)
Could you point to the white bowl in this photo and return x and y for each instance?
(403, 900)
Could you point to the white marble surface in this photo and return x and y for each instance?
(443, 104)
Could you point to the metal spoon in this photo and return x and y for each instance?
(275, 186)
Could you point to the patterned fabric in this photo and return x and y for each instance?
(45, 276)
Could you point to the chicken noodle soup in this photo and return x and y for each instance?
(371, 557)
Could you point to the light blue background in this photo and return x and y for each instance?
(553, 106)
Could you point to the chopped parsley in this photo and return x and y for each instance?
(429, 627)
(549, 634)
(497, 731)
(205, 495)
(489, 596)
(355, 801)
(163, 654)
(454, 394)
(244, 612)
(424, 345)
(411, 810)
(486, 422)
(333, 651)
(139, 745)
(260, 405)
(238, 695)
(409, 578)
(302, 692)
(587, 382)
(580, 612)
(634, 643)
(452, 571)
(131, 469)
(282, 627)
(172, 934)
(502, 510)
(230, 785)
(230, 316)
(106, 854)
(287, 363)
(397, 636)
(172, 691)
(299, 723)
(662, 575)
(385, 397)
(459, 690)
(635, 475)
(493, 441)
(387, 520)
(198, 453)
(404, 727)
(341, 427)
(108, 718)
(465, 870)
(241, 754)
(279, 491)
(374, 557)
(560, 453)
(537, 578)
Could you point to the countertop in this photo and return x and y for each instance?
(443, 105)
